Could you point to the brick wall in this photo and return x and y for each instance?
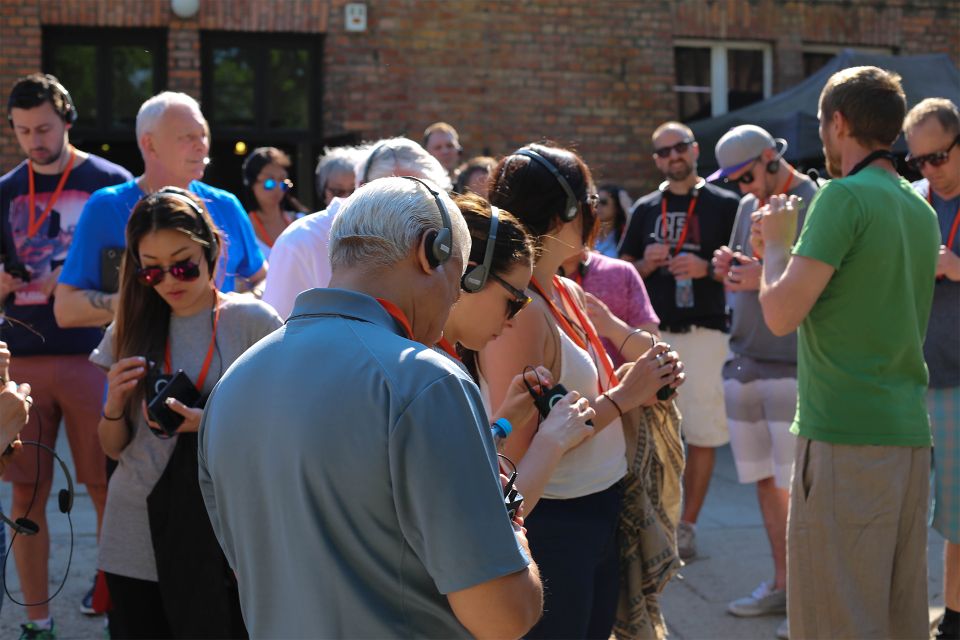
(597, 75)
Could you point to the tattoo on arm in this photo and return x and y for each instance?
(99, 300)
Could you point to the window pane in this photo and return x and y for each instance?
(75, 66)
(232, 86)
(132, 83)
(813, 62)
(288, 89)
(744, 77)
(692, 82)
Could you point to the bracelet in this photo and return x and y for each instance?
(606, 395)
(625, 340)
(104, 415)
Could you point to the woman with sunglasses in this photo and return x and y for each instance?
(485, 309)
(612, 208)
(166, 574)
(573, 532)
(268, 195)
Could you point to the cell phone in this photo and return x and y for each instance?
(179, 387)
(548, 398)
(110, 269)
(17, 270)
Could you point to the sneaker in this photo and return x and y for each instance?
(686, 541)
(783, 631)
(31, 631)
(86, 605)
(764, 601)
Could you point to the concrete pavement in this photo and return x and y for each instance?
(734, 558)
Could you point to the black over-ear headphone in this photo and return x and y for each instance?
(570, 209)
(207, 233)
(370, 158)
(439, 242)
(27, 527)
(475, 277)
(69, 114)
(774, 165)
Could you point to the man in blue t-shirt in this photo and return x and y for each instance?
(932, 130)
(41, 201)
(174, 140)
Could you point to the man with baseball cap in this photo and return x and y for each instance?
(760, 376)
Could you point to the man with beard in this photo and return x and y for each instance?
(672, 235)
(932, 129)
(40, 204)
(859, 286)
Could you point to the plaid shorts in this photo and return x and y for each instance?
(944, 408)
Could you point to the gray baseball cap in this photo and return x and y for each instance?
(742, 145)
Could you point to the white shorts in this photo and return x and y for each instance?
(700, 399)
(760, 413)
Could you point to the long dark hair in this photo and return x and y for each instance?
(142, 324)
(620, 214)
(253, 164)
(528, 189)
(513, 247)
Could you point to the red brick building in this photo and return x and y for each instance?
(599, 75)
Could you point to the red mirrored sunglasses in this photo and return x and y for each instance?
(184, 271)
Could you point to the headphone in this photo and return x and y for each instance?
(774, 165)
(27, 527)
(694, 190)
(211, 238)
(571, 208)
(439, 243)
(475, 277)
(366, 167)
(69, 114)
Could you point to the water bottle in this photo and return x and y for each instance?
(684, 292)
(500, 430)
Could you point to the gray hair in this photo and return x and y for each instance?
(335, 160)
(384, 220)
(399, 157)
(153, 108)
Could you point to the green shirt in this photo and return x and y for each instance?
(861, 375)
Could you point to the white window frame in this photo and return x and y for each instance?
(718, 67)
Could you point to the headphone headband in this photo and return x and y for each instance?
(370, 158)
(68, 113)
(440, 245)
(212, 245)
(570, 209)
(27, 527)
(474, 279)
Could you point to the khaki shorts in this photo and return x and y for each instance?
(700, 399)
(857, 542)
(68, 388)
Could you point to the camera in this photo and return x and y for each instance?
(548, 398)
(162, 386)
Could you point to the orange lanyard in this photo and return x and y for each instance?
(33, 225)
(206, 361)
(953, 227)
(262, 230)
(594, 341)
(449, 349)
(786, 187)
(397, 315)
(686, 221)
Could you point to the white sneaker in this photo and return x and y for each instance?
(686, 540)
(764, 601)
(783, 631)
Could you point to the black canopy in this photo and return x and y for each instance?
(792, 114)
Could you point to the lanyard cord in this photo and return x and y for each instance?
(953, 227)
(210, 349)
(33, 225)
(686, 222)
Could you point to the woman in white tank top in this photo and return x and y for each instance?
(572, 533)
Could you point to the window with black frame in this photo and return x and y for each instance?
(109, 74)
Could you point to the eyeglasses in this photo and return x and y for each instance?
(747, 176)
(520, 298)
(935, 159)
(184, 271)
(338, 193)
(270, 184)
(680, 147)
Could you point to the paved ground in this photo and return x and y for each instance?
(734, 558)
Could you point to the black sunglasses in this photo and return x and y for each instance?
(520, 298)
(747, 176)
(935, 159)
(680, 147)
(184, 271)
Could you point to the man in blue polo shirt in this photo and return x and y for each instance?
(174, 140)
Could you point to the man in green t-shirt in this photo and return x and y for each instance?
(858, 286)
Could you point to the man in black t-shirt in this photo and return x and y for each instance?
(672, 235)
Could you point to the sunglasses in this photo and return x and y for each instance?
(520, 298)
(270, 184)
(680, 147)
(185, 271)
(935, 159)
(747, 176)
(604, 201)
